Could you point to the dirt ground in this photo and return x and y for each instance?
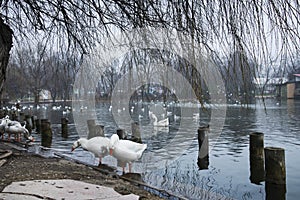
(22, 166)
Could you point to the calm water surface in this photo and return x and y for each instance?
(170, 161)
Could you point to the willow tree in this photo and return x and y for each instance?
(262, 30)
(78, 24)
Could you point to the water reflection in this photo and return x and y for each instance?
(275, 191)
(256, 151)
(176, 169)
(203, 143)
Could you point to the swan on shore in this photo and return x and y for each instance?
(96, 145)
(14, 127)
(17, 129)
(125, 151)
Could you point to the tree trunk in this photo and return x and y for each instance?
(5, 47)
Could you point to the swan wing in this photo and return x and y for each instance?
(131, 146)
(98, 146)
(164, 122)
(126, 155)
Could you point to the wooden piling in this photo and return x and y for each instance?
(203, 155)
(46, 133)
(136, 132)
(33, 118)
(275, 191)
(91, 123)
(256, 149)
(94, 129)
(275, 185)
(99, 130)
(28, 125)
(121, 133)
(38, 126)
(64, 127)
(21, 117)
(2, 114)
(275, 165)
(14, 116)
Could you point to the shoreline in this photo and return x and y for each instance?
(24, 166)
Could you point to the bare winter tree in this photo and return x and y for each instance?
(29, 70)
(260, 30)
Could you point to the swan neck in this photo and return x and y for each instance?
(154, 118)
(114, 140)
(83, 143)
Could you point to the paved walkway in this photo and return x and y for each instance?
(60, 189)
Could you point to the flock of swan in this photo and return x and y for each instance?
(162, 123)
(13, 127)
(125, 151)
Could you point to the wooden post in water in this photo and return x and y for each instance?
(91, 127)
(38, 126)
(28, 125)
(94, 129)
(275, 165)
(99, 130)
(203, 155)
(33, 118)
(275, 191)
(64, 127)
(256, 147)
(46, 133)
(136, 132)
(2, 114)
(21, 117)
(121, 134)
(275, 173)
(14, 116)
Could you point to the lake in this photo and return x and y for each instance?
(170, 161)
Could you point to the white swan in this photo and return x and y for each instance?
(125, 151)
(161, 123)
(176, 117)
(96, 145)
(196, 116)
(2, 128)
(15, 127)
(3, 124)
(169, 113)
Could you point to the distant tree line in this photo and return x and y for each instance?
(35, 67)
(261, 31)
(238, 73)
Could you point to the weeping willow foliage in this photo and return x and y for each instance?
(243, 35)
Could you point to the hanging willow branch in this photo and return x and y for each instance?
(260, 31)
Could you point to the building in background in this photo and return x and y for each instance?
(289, 89)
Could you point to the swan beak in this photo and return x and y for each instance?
(31, 139)
(110, 152)
(72, 149)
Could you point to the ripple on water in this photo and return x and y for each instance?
(228, 173)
